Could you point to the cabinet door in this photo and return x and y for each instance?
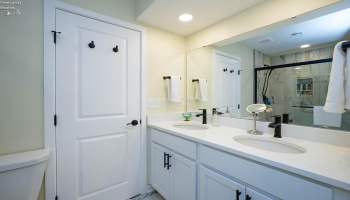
(254, 195)
(160, 178)
(213, 186)
(182, 178)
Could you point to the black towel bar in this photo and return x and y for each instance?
(197, 80)
(345, 46)
(303, 106)
(168, 77)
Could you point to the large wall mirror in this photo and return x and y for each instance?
(227, 71)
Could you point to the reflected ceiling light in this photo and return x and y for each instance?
(304, 46)
(297, 67)
(185, 17)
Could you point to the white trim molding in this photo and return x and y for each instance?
(50, 7)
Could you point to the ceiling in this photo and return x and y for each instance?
(327, 29)
(164, 14)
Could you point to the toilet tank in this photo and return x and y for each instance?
(21, 174)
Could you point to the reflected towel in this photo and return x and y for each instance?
(335, 102)
(323, 118)
(347, 80)
(201, 90)
(174, 89)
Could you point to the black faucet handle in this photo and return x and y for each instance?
(204, 110)
(277, 118)
(215, 110)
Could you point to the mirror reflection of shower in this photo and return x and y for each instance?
(294, 90)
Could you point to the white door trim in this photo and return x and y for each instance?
(49, 88)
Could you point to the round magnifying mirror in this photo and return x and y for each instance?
(256, 108)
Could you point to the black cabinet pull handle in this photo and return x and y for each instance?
(237, 194)
(169, 156)
(247, 197)
(115, 49)
(133, 122)
(91, 45)
(165, 160)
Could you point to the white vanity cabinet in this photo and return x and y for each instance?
(185, 169)
(213, 186)
(277, 184)
(173, 166)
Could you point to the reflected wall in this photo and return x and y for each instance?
(200, 64)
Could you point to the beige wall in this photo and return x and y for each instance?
(21, 79)
(166, 56)
(199, 66)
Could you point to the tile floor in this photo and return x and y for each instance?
(149, 196)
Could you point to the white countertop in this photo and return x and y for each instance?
(327, 163)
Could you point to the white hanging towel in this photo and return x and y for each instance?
(201, 90)
(323, 118)
(174, 89)
(335, 102)
(347, 80)
(197, 94)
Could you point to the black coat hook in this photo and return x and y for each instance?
(231, 71)
(225, 69)
(92, 45)
(115, 49)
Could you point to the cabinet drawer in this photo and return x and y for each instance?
(272, 181)
(177, 144)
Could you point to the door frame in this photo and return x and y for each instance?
(216, 79)
(50, 7)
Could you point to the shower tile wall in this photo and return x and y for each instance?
(282, 88)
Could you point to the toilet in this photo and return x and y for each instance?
(21, 174)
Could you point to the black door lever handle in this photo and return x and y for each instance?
(133, 122)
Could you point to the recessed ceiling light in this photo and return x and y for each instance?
(304, 46)
(185, 17)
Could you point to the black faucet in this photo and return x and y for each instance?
(204, 114)
(277, 125)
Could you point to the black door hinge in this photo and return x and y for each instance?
(239, 106)
(54, 35)
(55, 120)
(56, 198)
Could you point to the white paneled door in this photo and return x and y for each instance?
(97, 95)
(228, 83)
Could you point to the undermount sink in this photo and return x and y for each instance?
(269, 144)
(190, 126)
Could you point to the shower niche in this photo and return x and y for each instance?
(304, 87)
